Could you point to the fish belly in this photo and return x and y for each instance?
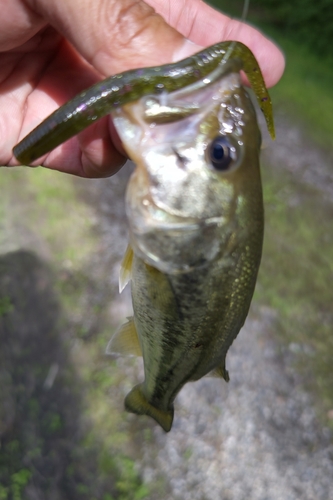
(185, 323)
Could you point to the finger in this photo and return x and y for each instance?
(19, 24)
(205, 26)
(91, 154)
(96, 152)
(113, 35)
(100, 156)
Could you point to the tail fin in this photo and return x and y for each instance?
(135, 402)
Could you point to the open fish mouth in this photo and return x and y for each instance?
(170, 242)
(181, 210)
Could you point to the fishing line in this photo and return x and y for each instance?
(219, 71)
(242, 20)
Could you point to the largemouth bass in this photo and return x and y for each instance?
(195, 211)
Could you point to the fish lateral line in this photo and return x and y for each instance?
(99, 100)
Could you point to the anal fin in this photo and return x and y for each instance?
(125, 341)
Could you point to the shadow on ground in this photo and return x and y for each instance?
(41, 426)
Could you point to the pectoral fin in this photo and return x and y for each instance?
(125, 274)
(125, 341)
(136, 402)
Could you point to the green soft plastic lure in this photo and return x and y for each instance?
(100, 99)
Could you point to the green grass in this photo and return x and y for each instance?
(298, 258)
(64, 222)
(297, 268)
(296, 276)
(47, 205)
(5, 306)
(305, 90)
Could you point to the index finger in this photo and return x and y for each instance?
(205, 26)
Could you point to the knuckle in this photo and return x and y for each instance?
(130, 23)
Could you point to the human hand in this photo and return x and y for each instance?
(50, 51)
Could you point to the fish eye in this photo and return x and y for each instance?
(222, 153)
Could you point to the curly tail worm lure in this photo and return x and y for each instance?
(97, 101)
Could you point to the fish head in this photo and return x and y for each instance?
(196, 152)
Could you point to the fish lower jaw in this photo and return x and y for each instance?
(144, 220)
(179, 248)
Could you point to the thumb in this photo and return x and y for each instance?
(114, 35)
